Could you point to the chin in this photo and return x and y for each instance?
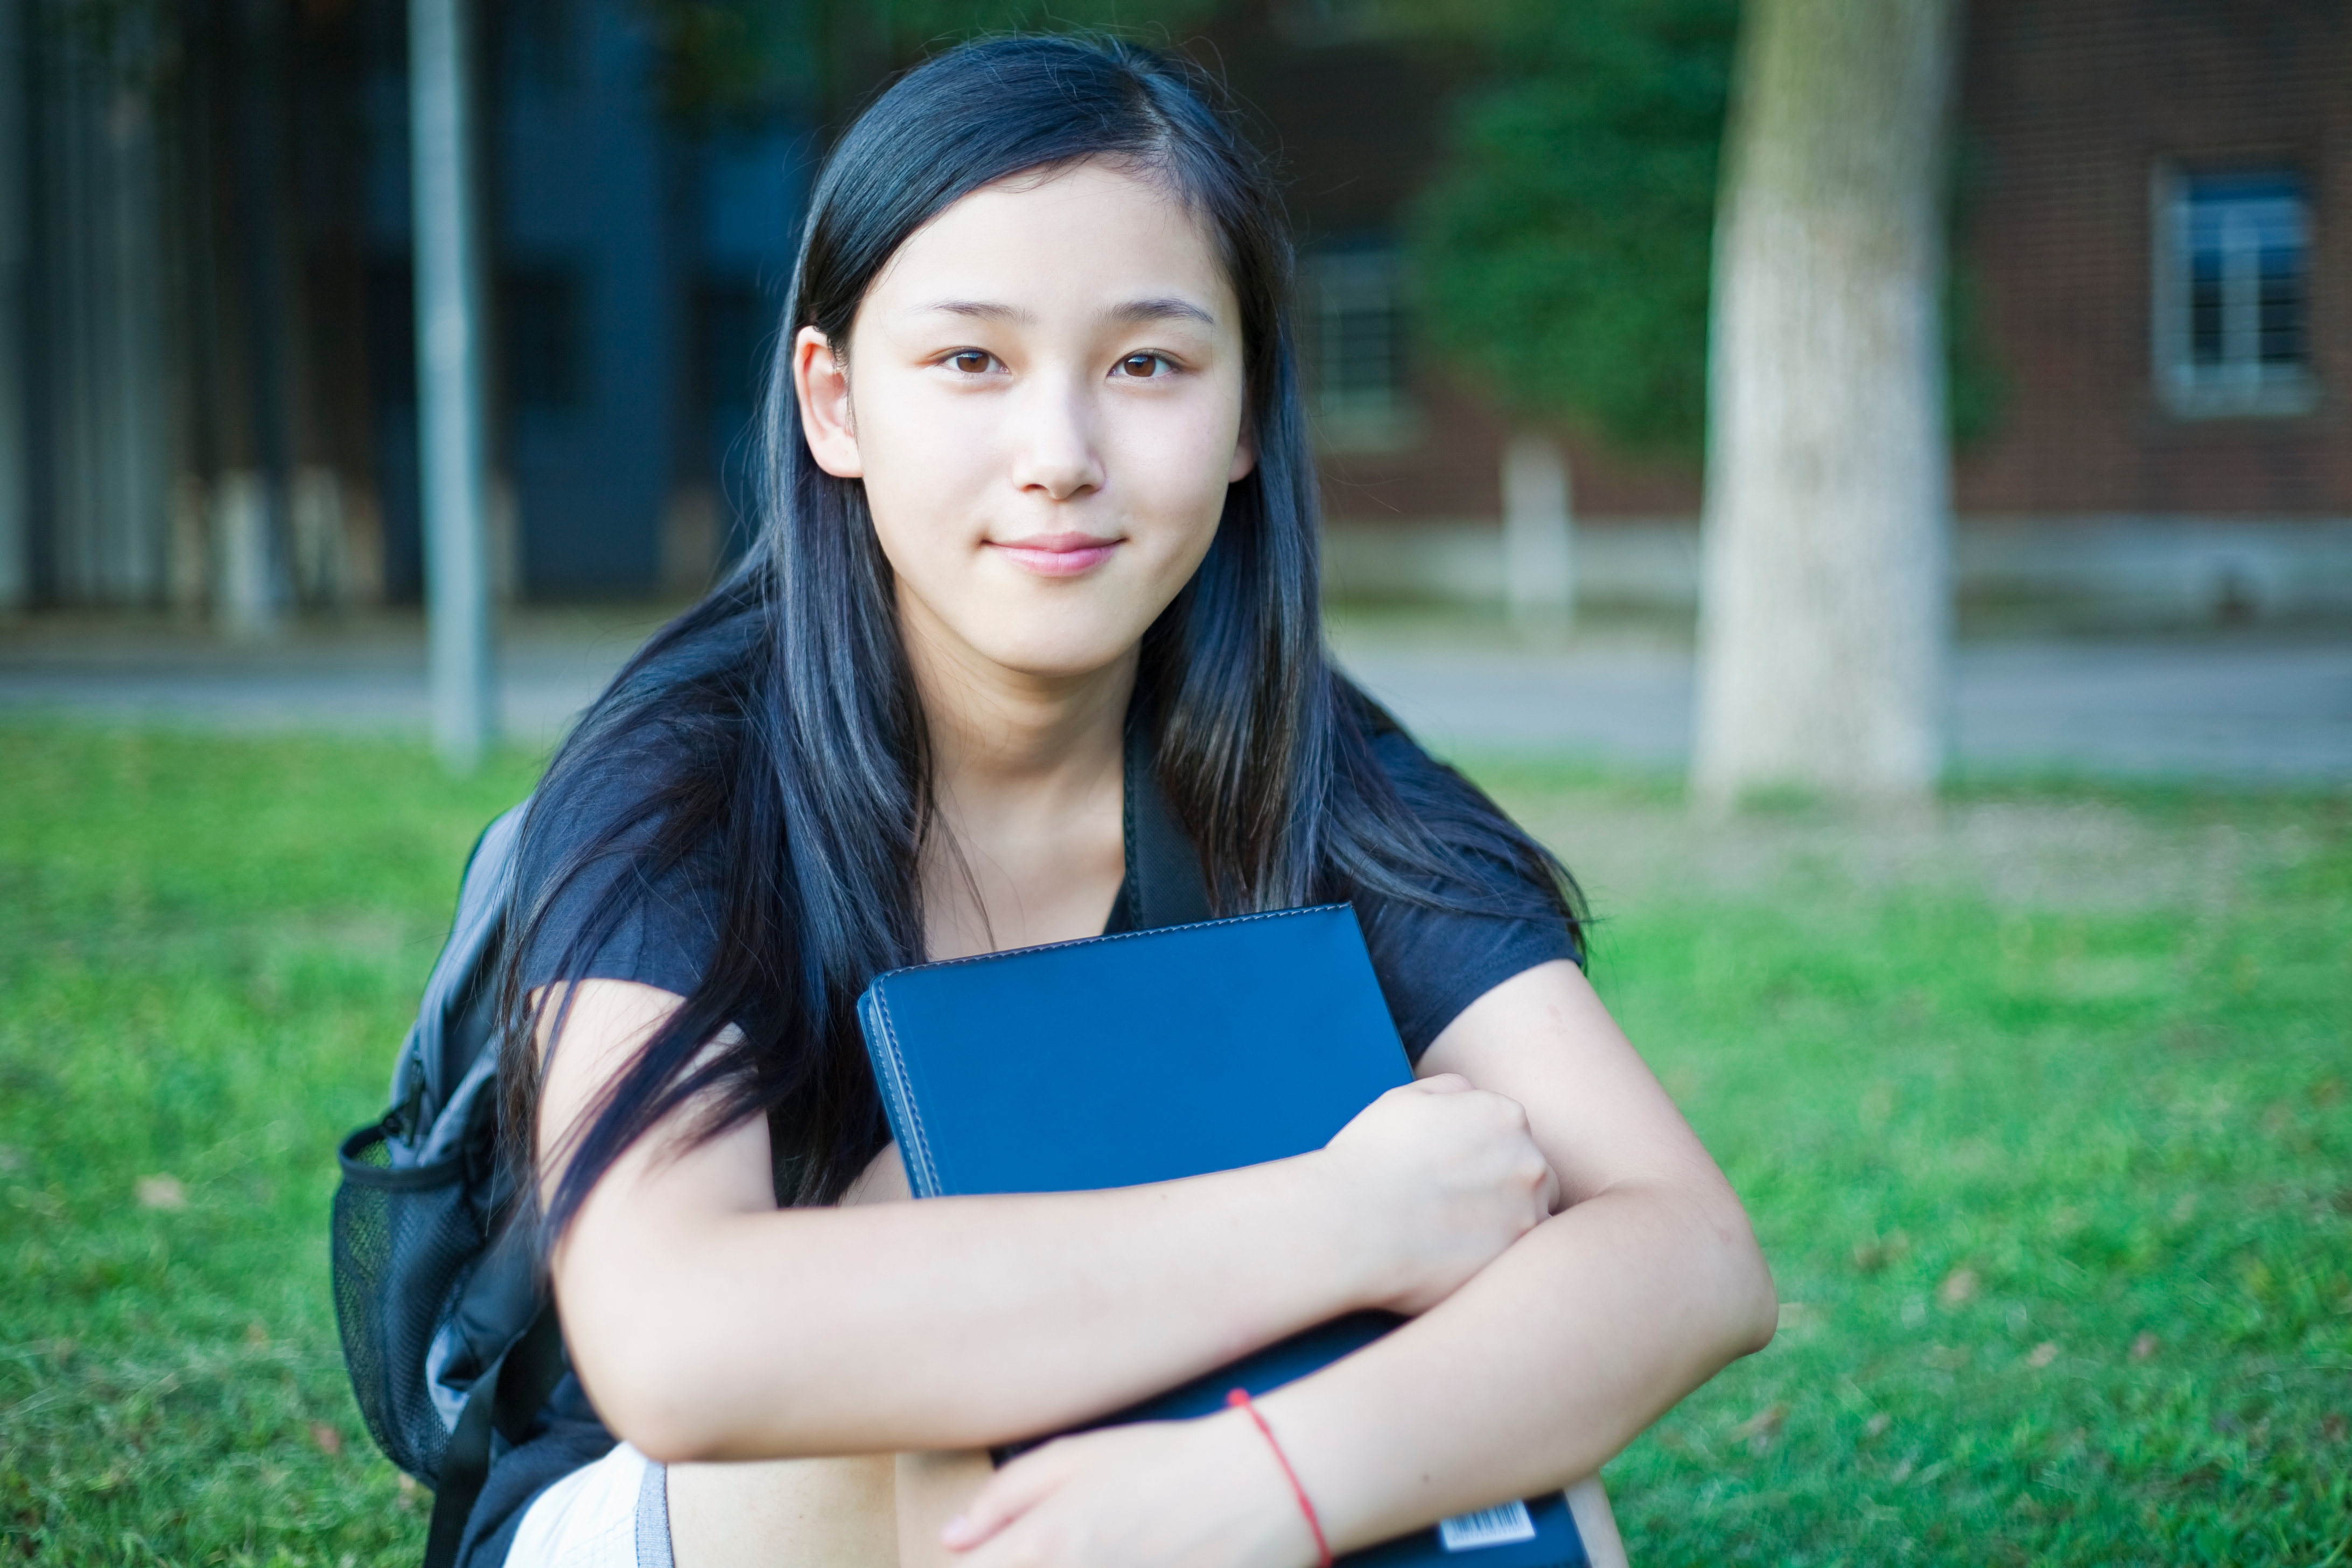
(1062, 654)
(1059, 665)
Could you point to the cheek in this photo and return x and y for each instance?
(921, 474)
(1177, 471)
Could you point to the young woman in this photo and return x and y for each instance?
(1037, 554)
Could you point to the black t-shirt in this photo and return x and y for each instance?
(1432, 962)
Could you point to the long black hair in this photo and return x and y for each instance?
(763, 762)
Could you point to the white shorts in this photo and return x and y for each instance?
(613, 1513)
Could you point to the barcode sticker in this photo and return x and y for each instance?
(1496, 1526)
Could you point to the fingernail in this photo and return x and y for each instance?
(957, 1529)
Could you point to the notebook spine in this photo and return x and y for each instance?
(898, 1094)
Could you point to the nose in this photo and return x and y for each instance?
(1055, 451)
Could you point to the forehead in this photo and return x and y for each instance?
(1087, 234)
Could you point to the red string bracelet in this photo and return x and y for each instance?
(1240, 1400)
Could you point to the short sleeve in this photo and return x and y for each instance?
(1433, 963)
(660, 932)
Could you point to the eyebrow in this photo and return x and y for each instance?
(1133, 312)
(979, 310)
(1137, 312)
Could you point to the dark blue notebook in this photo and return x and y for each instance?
(1152, 1055)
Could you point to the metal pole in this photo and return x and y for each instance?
(450, 321)
(16, 517)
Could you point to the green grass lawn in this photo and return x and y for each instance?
(2041, 1110)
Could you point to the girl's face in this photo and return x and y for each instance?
(1044, 395)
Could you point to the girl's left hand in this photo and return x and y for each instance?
(1157, 1494)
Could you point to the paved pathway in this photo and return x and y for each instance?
(368, 677)
(2257, 707)
(2246, 709)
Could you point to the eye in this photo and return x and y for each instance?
(1144, 366)
(972, 362)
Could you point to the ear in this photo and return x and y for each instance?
(821, 381)
(1244, 451)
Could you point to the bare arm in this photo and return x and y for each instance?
(1534, 1373)
(707, 1324)
(1592, 1326)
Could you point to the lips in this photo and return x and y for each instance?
(1056, 554)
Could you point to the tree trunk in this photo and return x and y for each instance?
(1824, 601)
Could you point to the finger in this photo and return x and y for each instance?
(1513, 1114)
(1019, 1544)
(1437, 1083)
(1010, 1493)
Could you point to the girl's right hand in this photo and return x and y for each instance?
(1439, 1178)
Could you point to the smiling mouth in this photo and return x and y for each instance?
(1056, 554)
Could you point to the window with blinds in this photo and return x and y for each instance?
(2232, 296)
(1352, 310)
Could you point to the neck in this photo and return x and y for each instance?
(1026, 778)
(1005, 740)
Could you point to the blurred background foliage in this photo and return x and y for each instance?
(1561, 256)
(1563, 252)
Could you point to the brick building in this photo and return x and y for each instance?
(2154, 201)
(2160, 194)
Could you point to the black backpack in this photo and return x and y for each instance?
(448, 1332)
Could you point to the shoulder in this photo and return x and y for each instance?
(617, 874)
(606, 813)
(661, 734)
(1479, 901)
(1418, 776)
(1471, 846)
(1436, 794)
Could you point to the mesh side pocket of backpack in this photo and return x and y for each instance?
(402, 1235)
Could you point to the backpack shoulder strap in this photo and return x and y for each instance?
(504, 1401)
(442, 1065)
(1163, 868)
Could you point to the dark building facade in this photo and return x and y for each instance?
(639, 266)
(208, 321)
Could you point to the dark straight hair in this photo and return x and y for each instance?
(763, 761)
